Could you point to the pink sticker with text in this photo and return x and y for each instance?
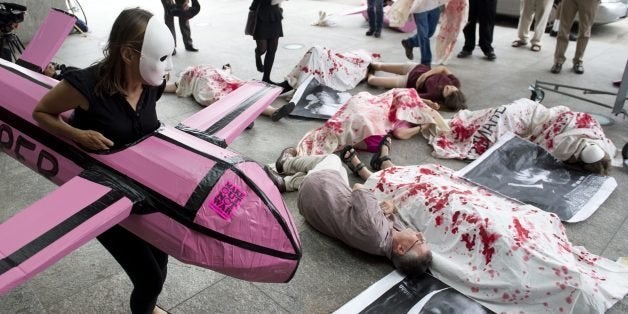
(227, 200)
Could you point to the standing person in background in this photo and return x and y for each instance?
(556, 24)
(114, 104)
(267, 31)
(586, 10)
(172, 7)
(480, 12)
(375, 11)
(426, 23)
(539, 10)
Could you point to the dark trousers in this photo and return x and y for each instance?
(184, 24)
(480, 12)
(145, 265)
(375, 13)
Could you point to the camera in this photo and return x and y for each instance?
(11, 14)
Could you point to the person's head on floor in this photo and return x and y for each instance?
(410, 253)
(592, 159)
(454, 98)
(138, 48)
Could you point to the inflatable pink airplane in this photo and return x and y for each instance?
(177, 188)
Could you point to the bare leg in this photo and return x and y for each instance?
(170, 88)
(360, 146)
(385, 82)
(269, 111)
(406, 133)
(396, 68)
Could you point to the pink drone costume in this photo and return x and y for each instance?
(177, 188)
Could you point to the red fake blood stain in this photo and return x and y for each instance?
(426, 171)
(522, 233)
(439, 220)
(469, 242)
(583, 120)
(475, 289)
(569, 300)
(460, 131)
(488, 239)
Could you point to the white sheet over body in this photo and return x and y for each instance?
(510, 257)
(340, 71)
(562, 132)
(207, 84)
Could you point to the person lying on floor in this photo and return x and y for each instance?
(573, 137)
(364, 119)
(352, 216)
(207, 85)
(341, 71)
(438, 87)
(508, 256)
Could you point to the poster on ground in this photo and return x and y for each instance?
(397, 293)
(314, 100)
(524, 171)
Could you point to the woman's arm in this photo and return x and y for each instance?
(61, 98)
(426, 75)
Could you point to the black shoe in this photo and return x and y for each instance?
(573, 37)
(370, 32)
(491, 55)
(285, 154)
(277, 180)
(553, 33)
(407, 46)
(464, 54)
(284, 111)
(191, 48)
(174, 52)
(377, 34)
(578, 68)
(556, 68)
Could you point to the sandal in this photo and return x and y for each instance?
(518, 43)
(536, 48)
(347, 160)
(378, 159)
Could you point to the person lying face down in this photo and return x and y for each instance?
(437, 87)
(353, 216)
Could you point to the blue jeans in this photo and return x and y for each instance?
(375, 12)
(426, 23)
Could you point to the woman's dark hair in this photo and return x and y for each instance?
(411, 263)
(455, 101)
(127, 31)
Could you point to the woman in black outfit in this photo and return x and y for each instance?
(114, 105)
(268, 29)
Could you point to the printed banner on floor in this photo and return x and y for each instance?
(398, 294)
(526, 172)
(314, 100)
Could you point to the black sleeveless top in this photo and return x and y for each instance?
(112, 115)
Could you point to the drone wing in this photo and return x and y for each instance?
(225, 119)
(54, 226)
(46, 42)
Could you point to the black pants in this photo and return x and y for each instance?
(145, 265)
(184, 24)
(480, 12)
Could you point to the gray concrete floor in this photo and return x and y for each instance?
(90, 281)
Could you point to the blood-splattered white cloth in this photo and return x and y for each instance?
(562, 132)
(207, 84)
(340, 71)
(452, 20)
(364, 115)
(512, 258)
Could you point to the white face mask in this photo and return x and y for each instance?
(158, 44)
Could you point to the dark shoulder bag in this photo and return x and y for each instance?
(251, 21)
